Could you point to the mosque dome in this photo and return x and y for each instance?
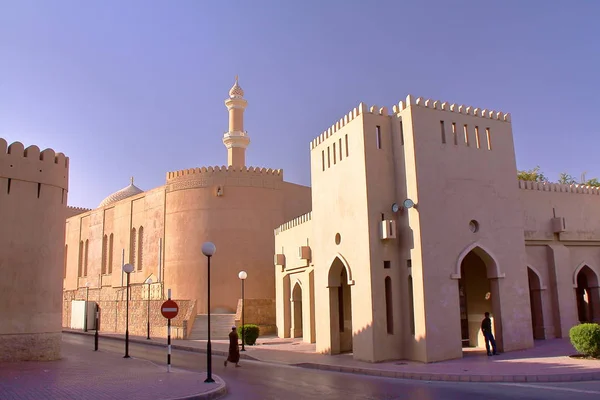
(124, 193)
(236, 90)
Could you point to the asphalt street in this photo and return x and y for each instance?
(257, 380)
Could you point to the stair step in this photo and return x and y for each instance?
(220, 326)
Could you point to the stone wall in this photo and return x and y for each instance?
(113, 310)
(259, 312)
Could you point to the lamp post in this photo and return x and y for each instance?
(208, 249)
(243, 275)
(149, 282)
(87, 297)
(128, 269)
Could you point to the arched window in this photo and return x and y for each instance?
(132, 247)
(140, 248)
(86, 257)
(110, 252)
(80, 260)
(104, 253)
(65, 266)
(389, 310)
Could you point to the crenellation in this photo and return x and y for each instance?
(345, 120)
(31, 164)
(211, 170)
(383, 111)
(559, 187)
(293, 223)
(453, 107)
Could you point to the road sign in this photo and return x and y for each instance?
(169, 309)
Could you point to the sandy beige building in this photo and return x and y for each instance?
(161, 231)
(33, 199)
(419, 226)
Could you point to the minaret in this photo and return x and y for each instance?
(236, 139)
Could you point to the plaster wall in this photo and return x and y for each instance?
(33, 197)
(450, 193)
(291, 270)
(342, 202)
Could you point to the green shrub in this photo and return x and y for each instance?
(251, 332)
(586, 339)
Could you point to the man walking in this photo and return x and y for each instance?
(486, 328)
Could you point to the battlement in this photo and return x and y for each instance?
(233, 171)
(361, 109)
(559, 187)
(32, 165)
(402, 105)
(295, 222)
(451, 107)
(73, 211)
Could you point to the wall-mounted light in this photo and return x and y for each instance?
(219, 191)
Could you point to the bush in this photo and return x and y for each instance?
(586, 339)
(251, 332)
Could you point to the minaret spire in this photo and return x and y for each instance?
(236, 139)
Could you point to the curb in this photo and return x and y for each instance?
(578, 377)
(211, 394)
(164, 345)
(423, 376)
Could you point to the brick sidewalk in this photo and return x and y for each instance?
(548, 361)
(92, 375)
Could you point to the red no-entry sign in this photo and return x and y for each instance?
(169, 309)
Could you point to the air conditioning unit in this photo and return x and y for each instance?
(304, 252)
(280, 259)
(558, 224)
(388, 229)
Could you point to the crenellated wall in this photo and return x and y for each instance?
(33, 197)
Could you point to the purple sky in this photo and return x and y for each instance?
(136, 88)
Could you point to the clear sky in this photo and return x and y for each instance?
(136, 88)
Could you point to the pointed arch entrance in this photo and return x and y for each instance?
(296, 309)
(478, 277)
(536, 302)
(340, 306)
(586, 292)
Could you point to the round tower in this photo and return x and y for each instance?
(236, 139)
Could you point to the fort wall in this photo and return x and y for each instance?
(33, 198)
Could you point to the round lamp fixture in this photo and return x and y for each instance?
(242, 275)
(128, 268)
(395, 207)
(408, 203)
(208, 249)
(149, 281)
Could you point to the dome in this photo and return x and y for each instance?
(236, 90)
(122, 194)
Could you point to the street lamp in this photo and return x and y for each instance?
(128, 269)
(87, 297)
(149, 282)
(243, 275)
(208, 249)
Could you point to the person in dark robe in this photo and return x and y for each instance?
(234, 349)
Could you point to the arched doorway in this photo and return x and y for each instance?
(479, 293)
(340, 308)
(296, 308)
(586, 291)
(537, 309)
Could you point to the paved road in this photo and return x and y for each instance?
(257, 380)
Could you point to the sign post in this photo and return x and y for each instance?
(169, 310)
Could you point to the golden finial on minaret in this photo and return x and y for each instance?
(236, 79)
(132, 180)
